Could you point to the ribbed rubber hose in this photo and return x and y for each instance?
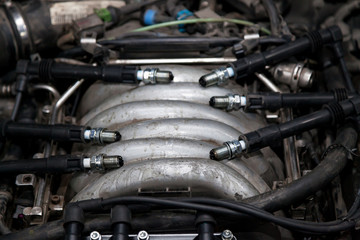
(333, 163)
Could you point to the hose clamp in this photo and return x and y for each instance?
(22, 30)
(234, 147)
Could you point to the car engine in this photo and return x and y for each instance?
(174, 119)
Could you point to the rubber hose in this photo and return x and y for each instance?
(333, 163)
(273, 16)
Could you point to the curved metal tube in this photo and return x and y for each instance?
(197, 129)
(81, 180)
(203, 176)
(63, 99)
(188, 92)
(48, 88)
(152, 148)
(128, 113)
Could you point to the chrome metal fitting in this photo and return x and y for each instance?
(293, 74)
(154, 76)
(227, 235)
(228, 102)
(94, 235)
(216, 77)
(143, 235)
(102, 162)
(101, 136)
(229, 150)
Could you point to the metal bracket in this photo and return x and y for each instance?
(89, 44)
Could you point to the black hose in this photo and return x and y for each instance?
(273, 16)
(272, 40)
(347, 78)
(318, 178)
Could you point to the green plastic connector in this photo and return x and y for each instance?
(104, 14)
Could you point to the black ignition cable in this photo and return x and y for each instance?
(275, 101)
(61, 164)
(331, 114)
(58, 132)
(50, 70)
(250, 64)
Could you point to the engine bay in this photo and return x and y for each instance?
(173, 119)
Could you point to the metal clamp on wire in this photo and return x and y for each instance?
(154, 76)
(338, 145)
(101, 136)
(102, 162)
(229, 102)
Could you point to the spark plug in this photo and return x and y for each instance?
(102, 162)
(229, 150)
(217, 77)
(154, 75)
(50, 70)
(101, 136)
(58, 132)
(228, 102)
(331, 114)
(258, 61)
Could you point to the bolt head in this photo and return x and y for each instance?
(143, 235)
(95, 235)
(227, 235)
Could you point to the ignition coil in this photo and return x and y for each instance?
(58, 132)
(61, 164)
(275, 101)
(257, 61)
(49, 70)
(331, 114)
